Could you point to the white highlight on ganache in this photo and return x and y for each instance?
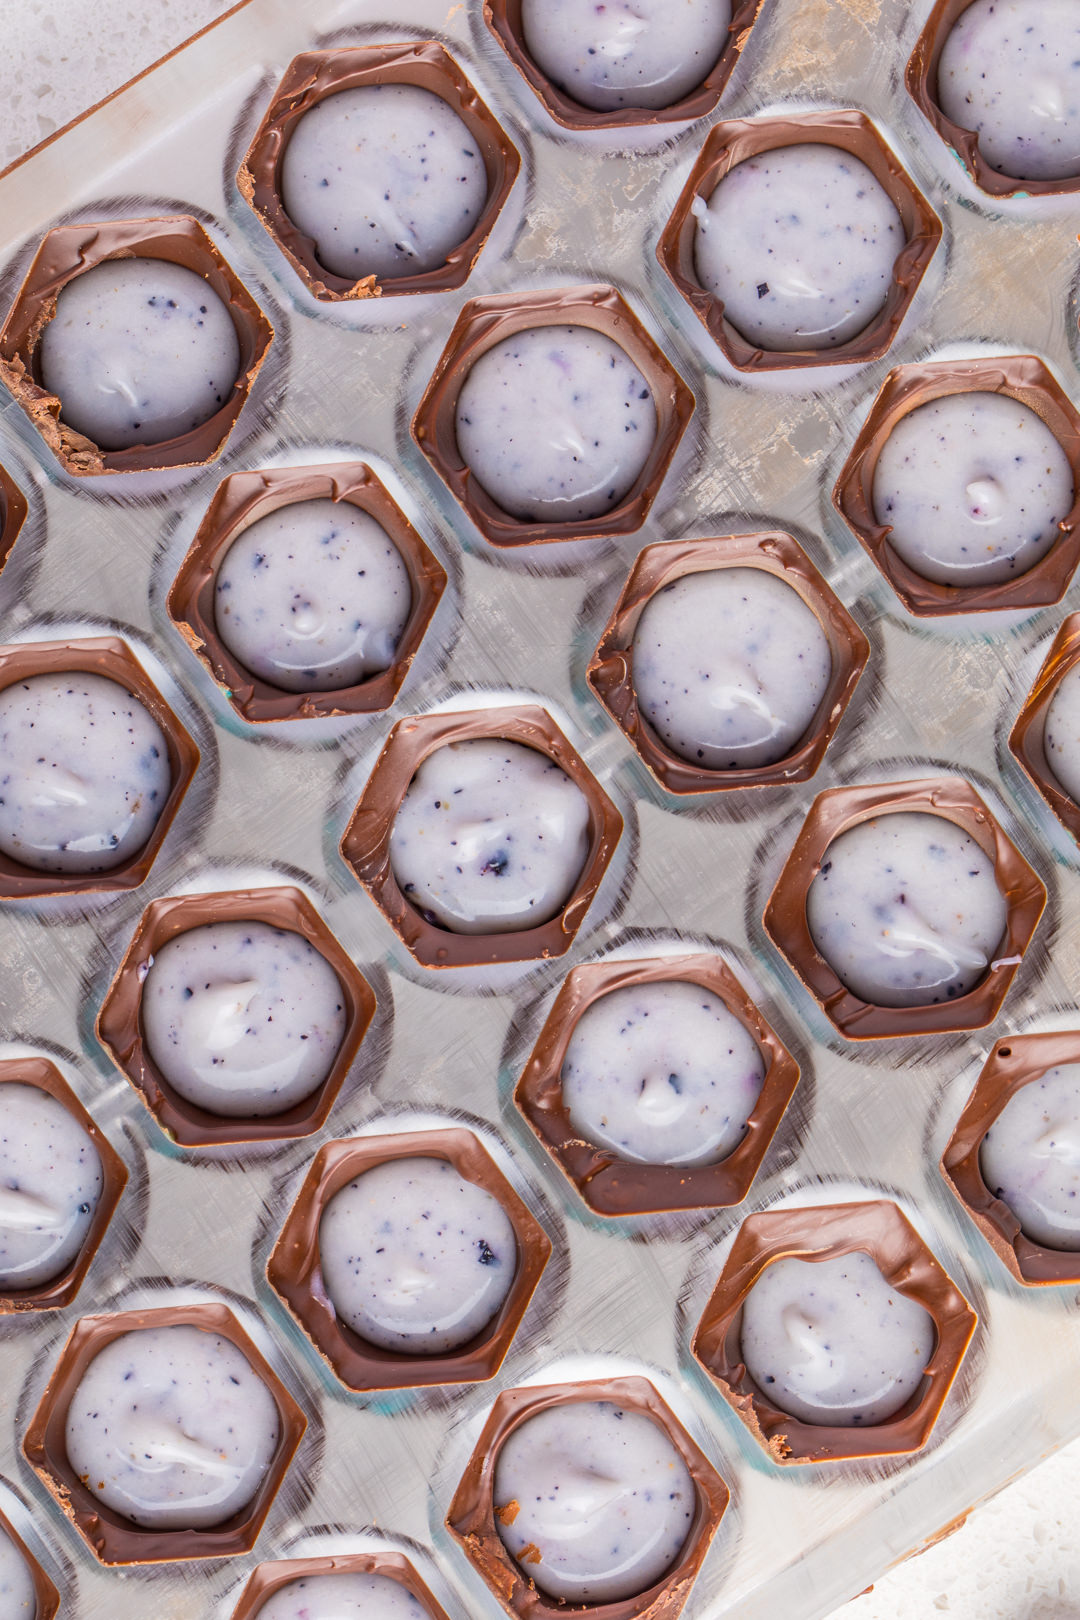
(50, 1182)
(342, 1596)
(1030, 1157)
(1061, 733)
(626, 53)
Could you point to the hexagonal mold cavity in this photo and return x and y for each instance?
(60, 1290)
(1019, 377)
(65, 253)
(112, 658)
(13, 513)
(825, 1232)
(47, 1598)
(294, 1268)
(1014, 1062)
(119, 1024)
(267, 1579)
(504, 19)
(313, 76)
(614, 1186)
(471, 1519)
(112, 1538)
(729, 144)
(365, 846)
(611, 669)
(482, 324)
(243, 499)
(835, 812)
(1027, 738)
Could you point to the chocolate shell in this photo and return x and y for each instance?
(1026, 738)
(13, 513)
(270, 1578)
(45, 1593)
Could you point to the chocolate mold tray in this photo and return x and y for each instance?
(938, 698)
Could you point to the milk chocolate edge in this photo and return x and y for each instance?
(43, 1075)
(14, 510)
(294, 1268)
(836, 811)
(268, 1578)
(47, 1597)
(503, 18)
(878, 1228)
(111, 1538)
(68, 250)
(310, 78)
(471, 1516)
(730, 143)
(365, 843)
(1027, 737)
(482, 323)
(242, 499)
(1014, 1062)
(1021, 377)
(610, 672)
(119, 1025)
(111, 657)
(614, 1186)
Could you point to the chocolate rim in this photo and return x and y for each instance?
(111, 1538)
(503, 18)
(838, 810)
(45, 1593)
(828, 1231)
(13, 513)
(736, 139)
(1020, 377)
(119, 1023)
(611, 668)
(310, 78)
(471, 1519)
(482, 323)
(1014, 1062)
(269, 1578)
(113, 658)
(1026, 740)
(62, 1289)
(294, 1269)
(365, 844)
(614, 1186)
(242, 499)
(921, 80)
(68, 250)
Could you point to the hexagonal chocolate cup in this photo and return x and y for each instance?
(270, 1578)
(241, 500)
(62, 1289)
(1026, 740)
(503, 17)
(921, 79)
(65, 253)
(119, 1023)
(13, 513)
(1021, 377)
(294, 1269)
(736, 139)
(112, 1538)
(1014, 1062)
(114, 659)
(483, 322)
(611, 668)
(313, 76)
(826, 1232)
(471, 1519)
(46, 1595)
(838, 810)
(611, 1185)
(365, 846)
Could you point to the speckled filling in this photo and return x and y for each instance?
(385, 179)
(50, 1182)
(1010, 71)
(906, 910)
(829, 1341)
(342, 1596)
(626, 53)
(491, 836)
(1030, 1157)
(1061, 733)
(730, 667)
(313, 597)
(84, 773)
(171, 1428)
(18, 1600)
(972, 487)
(241, 1018)
(662, 1073)
(556, 423)
(799, 245)
(416, 1259)
(139, 351)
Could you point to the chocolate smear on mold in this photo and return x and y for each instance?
(1027, 738)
